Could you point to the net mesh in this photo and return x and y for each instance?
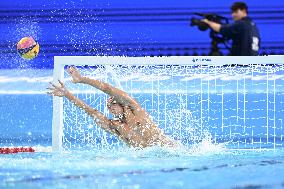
(239, 105)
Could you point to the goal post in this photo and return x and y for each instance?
(57, 120)
(91, 63)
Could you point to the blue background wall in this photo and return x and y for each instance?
(132, 28)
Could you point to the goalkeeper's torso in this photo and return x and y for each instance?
(139, 130)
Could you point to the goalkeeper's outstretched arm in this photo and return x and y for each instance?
(100, 119)
(119, 95)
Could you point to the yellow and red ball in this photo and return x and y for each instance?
(28, 48)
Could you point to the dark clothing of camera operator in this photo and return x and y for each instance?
(243, 32)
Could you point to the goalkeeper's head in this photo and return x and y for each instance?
(115, 108)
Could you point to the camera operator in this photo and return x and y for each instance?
(243, 32)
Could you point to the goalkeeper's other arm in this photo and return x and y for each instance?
(99, 118)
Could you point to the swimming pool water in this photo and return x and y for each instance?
(150, 168)
(25, 119)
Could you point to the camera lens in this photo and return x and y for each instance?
(197, 22)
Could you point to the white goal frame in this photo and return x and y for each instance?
(61, 61)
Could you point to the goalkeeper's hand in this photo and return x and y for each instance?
(75, 74)
(57, 90)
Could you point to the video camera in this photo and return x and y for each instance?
(202, 26)
(216, 38)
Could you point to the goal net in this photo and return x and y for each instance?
(234, 100)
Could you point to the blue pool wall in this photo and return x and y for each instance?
(124, 28)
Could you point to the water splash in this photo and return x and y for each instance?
(207, 146)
